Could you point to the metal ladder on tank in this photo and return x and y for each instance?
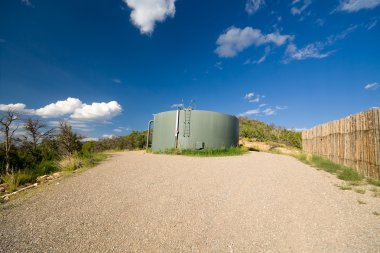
(186, 123)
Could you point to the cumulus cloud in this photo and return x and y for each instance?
(235, 40)
(16, 107)
(298, 10)
(372, 86)
(357, 5)
(145, 13)
(97, 111)
(72, 107)
(59, 108)
(252, 6)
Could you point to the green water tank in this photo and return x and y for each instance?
(194, 129)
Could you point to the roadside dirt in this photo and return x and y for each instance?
(138, 202)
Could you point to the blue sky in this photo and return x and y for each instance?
(107, 66)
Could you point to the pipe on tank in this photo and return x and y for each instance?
(147, 137)
(176, 129)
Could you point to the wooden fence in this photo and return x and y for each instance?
(353, 141)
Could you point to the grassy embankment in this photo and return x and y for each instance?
(67, 165)
(273, 139)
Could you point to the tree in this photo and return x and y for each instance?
(34, 133)
(69, 142)
(7, 130)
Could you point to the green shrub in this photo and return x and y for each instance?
(15, 179)
(373, 181)
(46, 167)
(349, 174)
(325, 164)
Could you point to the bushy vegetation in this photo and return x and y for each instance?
(134, 141)
(207, 152)
(41, 150)
(262, 132)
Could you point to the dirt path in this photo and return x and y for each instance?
(140, 202)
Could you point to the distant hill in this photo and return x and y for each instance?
(256, 130)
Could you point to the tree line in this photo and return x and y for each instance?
(30, 146)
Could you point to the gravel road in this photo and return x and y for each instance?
(137, 202)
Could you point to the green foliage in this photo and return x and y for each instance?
(46, 167)
(134, 141)
(259, 131)
(41, 153)
(207, 152)
(15, 179)
(342, 172)
(348, 174)
(373, 181)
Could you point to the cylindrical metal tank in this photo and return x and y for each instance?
(194, 129)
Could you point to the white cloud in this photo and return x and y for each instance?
(298, 11)
(59, 108)
(252, 6)
(372, 86)
(281, 107)
(269, 111)
(316, 50)
(252, 98)
(250, 112)
(235, 40)
(312, 50)
(263, 58)
(72, 107)
(19, 107)
(262, 105)
(249, 95)
(255, 100)
(177, 105)
(97, 111)
(145, 13)
(357, 5)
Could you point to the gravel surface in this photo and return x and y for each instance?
(138, 202)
